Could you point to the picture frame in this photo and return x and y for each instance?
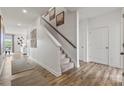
(60, 19)
(20, 40)
(33, 38)
(52, 13)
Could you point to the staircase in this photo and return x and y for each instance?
(65, 61)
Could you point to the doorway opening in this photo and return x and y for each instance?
(9, 44)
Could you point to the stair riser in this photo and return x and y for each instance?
(67, 67)
(63, 56)
(65, 61)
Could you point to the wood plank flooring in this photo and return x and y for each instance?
(89, 74)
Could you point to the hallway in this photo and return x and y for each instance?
(62, 46)
(88, 74)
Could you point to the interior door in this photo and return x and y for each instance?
(99, 45)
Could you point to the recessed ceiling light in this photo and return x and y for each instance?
(18, 24)
(24, 11)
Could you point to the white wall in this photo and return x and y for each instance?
(2, 46)
(122, 38)
(47, 53)
(16, 30)
(0, 14)
(2, 55)
(68, 29)
(83, 49)
(112, 21)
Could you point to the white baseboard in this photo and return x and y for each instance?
(46, 67)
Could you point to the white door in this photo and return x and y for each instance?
(83, 46)
(98, 45)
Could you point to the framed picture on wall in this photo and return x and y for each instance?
(34, 38)
(20, 40)
(52, 14)
(60, 19)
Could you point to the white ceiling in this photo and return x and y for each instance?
(14, 16)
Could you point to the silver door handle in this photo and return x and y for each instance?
(107, 47)
(123, 74)
(122, 53)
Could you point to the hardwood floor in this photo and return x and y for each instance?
(89, 74)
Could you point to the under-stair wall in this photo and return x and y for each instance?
(46, 53)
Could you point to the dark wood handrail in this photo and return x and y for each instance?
(59, 33)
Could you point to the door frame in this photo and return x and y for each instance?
(13, 36)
